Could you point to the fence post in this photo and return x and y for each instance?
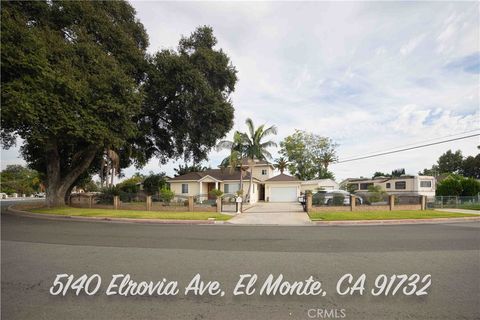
(309, 202)
(391, 202)
(190, 203)
(352, 202)
(219, 204)
(423, 202)
(90, 201)
(149, 203)
(116, 202)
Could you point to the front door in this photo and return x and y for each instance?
(261, 192)
(210, 187)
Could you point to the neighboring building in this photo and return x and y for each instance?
(404, 185)
(321, 184)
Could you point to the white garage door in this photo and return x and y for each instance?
(283, 194)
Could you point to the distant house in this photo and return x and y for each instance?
(320, 184)
(407, 185)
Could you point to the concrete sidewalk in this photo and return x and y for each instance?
(268, 213)
(459, 211)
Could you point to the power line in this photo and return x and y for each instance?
(415, 143)
(411, 148)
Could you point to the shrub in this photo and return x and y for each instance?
(216, 193)
(470, 187)
(456, 185)
(375, 194)
(338, 199)
(166, 195)
(107, 194)
(130, 185)
(318, 199)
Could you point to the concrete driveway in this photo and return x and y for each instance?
(273, 213)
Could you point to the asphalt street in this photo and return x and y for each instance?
(35, 250)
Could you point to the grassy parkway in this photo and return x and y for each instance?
(35, 251)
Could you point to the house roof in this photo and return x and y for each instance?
(218, 174)
(382, 179)
(283, 177)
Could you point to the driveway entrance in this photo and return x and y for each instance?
(273, 213)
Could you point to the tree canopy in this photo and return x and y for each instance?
(18, 179)
(454, 162)
(186, 168)
(456, 185)
(309, 155)
(76, 81)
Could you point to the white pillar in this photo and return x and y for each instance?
(251, 194)
(201, 191)
(216, 185)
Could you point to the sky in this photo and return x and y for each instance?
(373, 76)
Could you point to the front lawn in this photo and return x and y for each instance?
(134, 214)
(383, 215)
(473, 206)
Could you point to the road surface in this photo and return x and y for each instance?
(35, 250)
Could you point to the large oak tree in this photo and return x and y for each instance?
(76, 80)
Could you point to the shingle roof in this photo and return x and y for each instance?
(283, 177)
(219, 174)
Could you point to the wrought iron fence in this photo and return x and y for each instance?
(457, 202)
(229, 203)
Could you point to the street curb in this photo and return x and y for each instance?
(10, 209)
(395, 222)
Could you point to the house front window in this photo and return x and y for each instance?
(353, 186)
(426, 184)
(401, 185)
(364, 186)
(231, 187)
(184, 188)
(388, 185)
(264, 172)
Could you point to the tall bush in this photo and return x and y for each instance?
(456, 185)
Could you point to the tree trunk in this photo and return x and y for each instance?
(57, 185)
(113, 174)
(247, 198)
(241, 179)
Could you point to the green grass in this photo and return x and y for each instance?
(134, 214)
(383, 215)
(473, 206)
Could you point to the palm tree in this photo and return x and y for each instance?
(109, 163)
(236, 156)
(254, 146)
(281, 164)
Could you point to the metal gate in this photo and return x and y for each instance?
(228, 203)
